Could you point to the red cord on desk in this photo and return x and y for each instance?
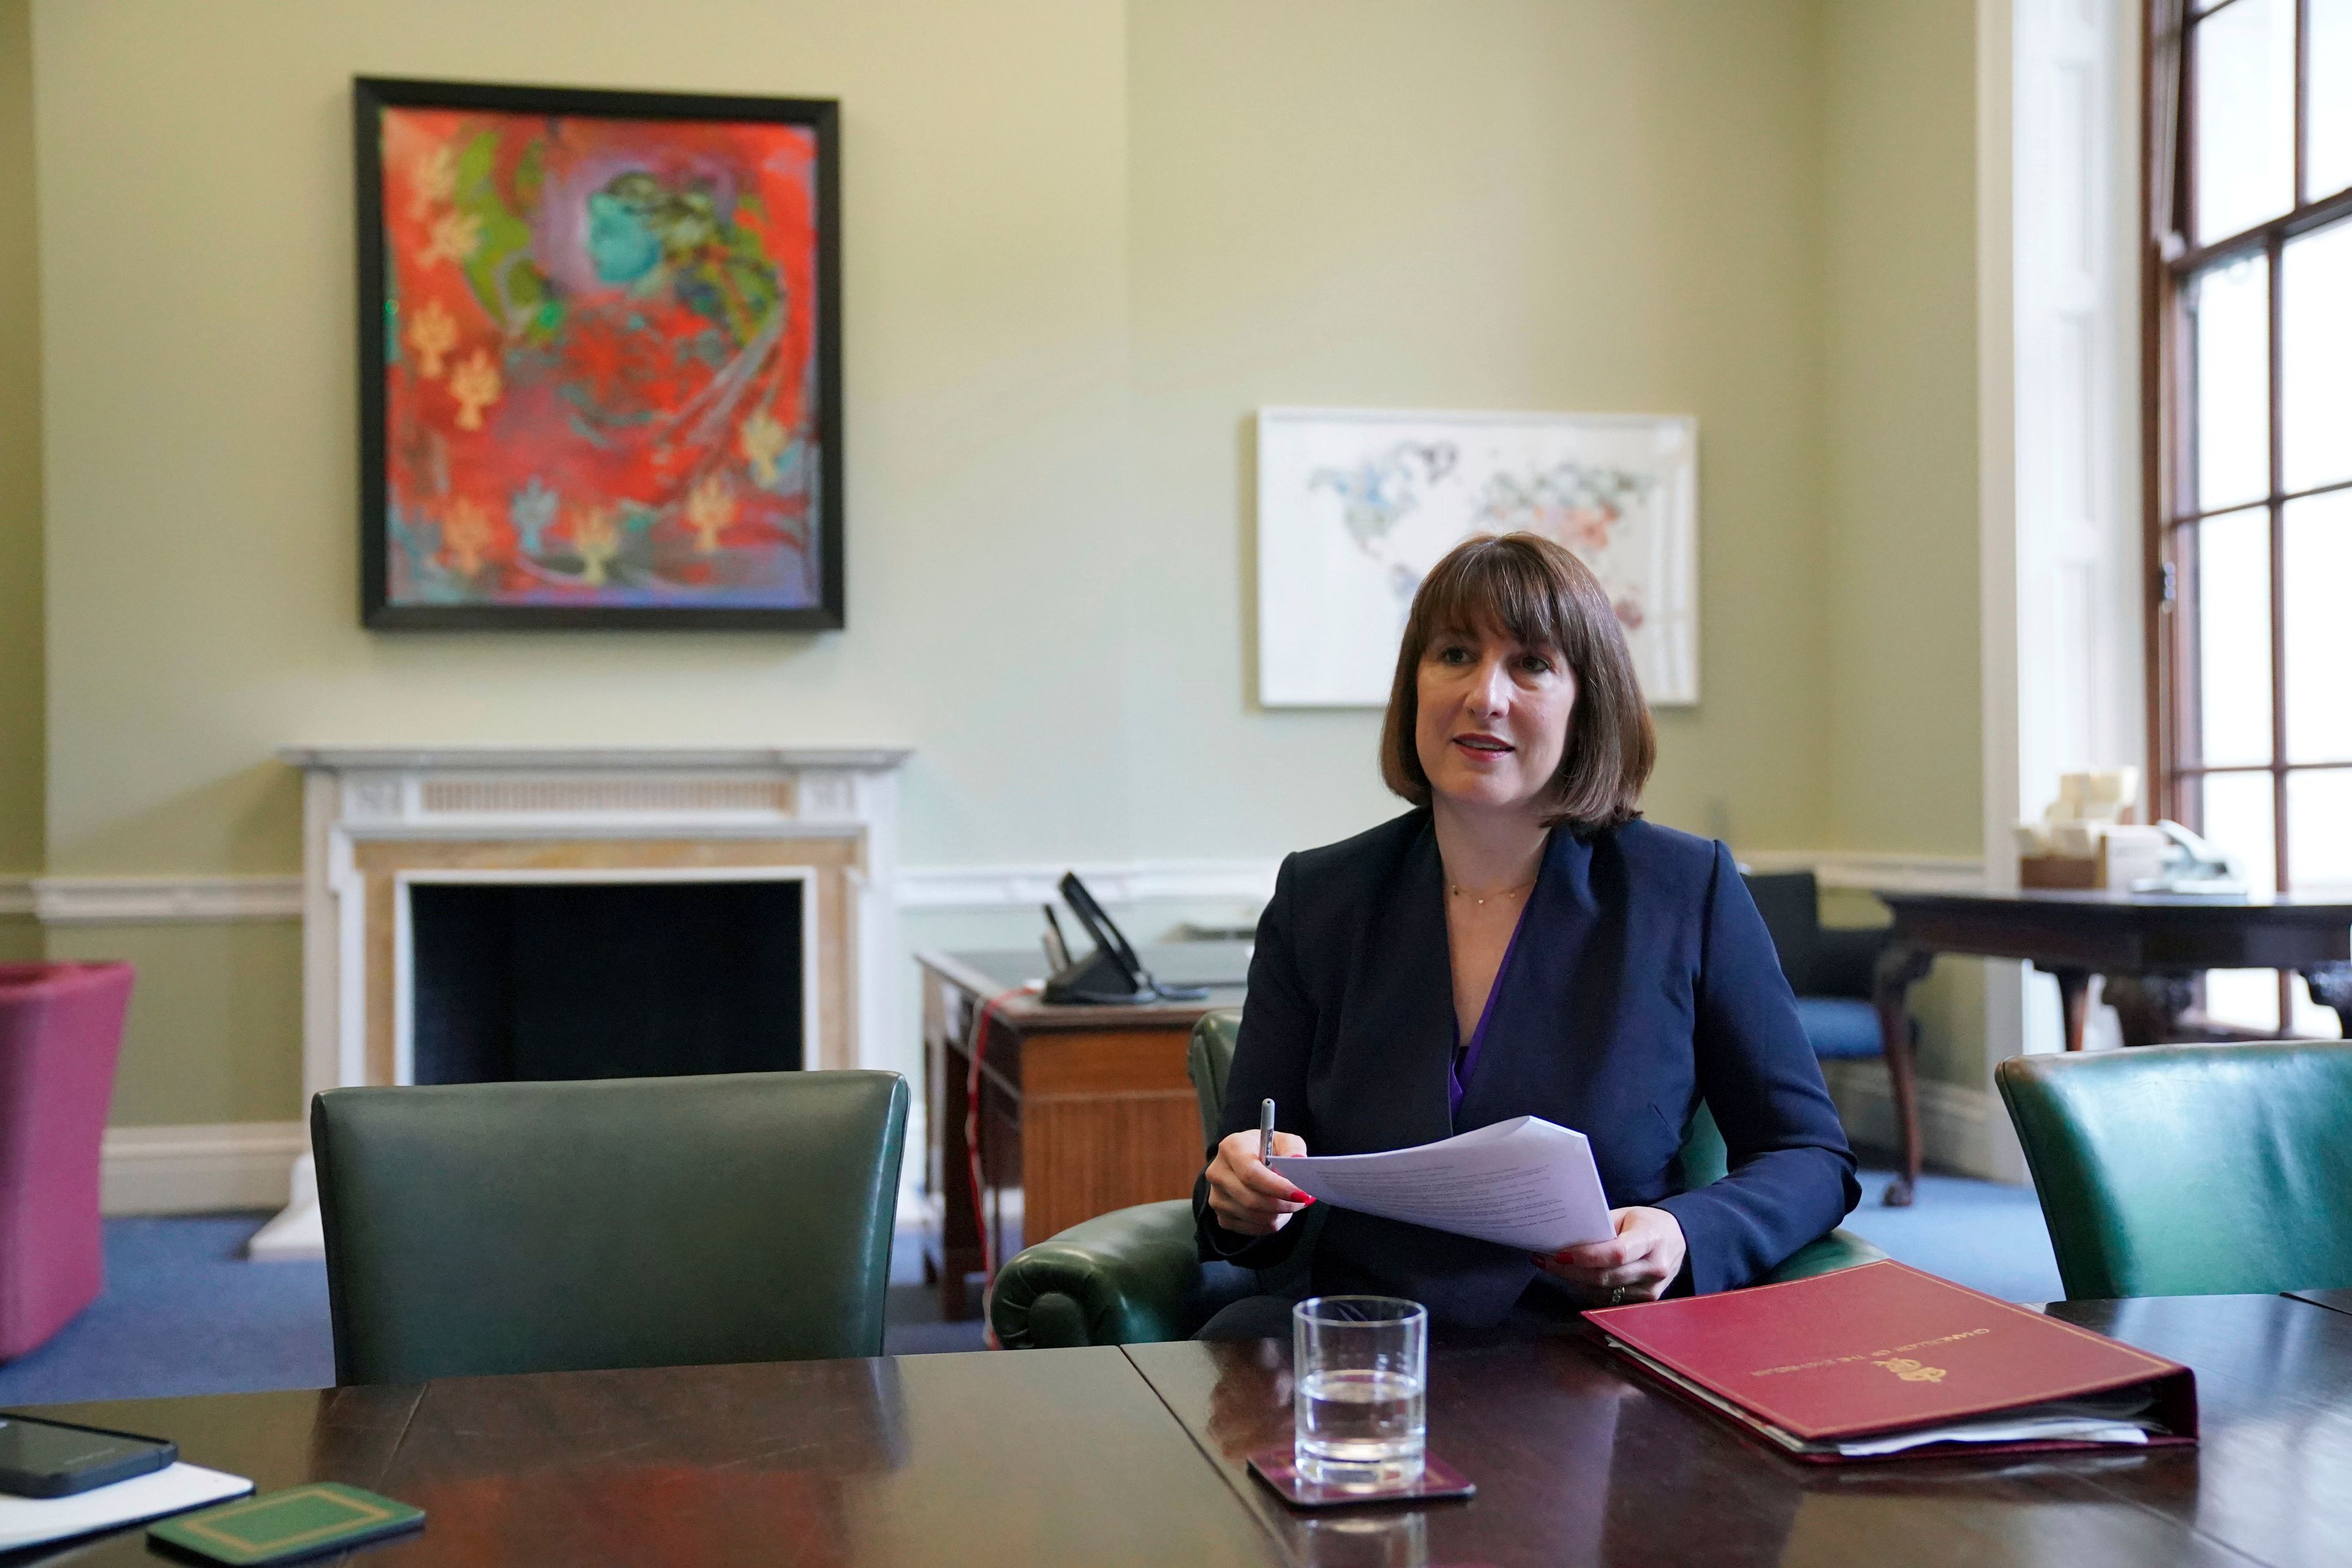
(979, 1049)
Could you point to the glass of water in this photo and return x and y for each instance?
(1359, 1365)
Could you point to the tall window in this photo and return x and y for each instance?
(2250, 467)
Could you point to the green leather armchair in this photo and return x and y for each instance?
(2190, 1170)
(1133, 1276)
(497, 1227)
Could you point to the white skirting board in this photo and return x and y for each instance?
(199, 1168)
(1959, 1126)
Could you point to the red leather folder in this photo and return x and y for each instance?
(1884, 1351)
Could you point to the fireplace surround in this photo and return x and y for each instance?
(385, 829)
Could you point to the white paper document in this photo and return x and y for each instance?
(29, 1521)
(1522, 1182)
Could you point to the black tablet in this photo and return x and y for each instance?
(49, 1459)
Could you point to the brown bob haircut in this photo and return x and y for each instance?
(1534, 591)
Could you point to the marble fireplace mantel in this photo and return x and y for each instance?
(377, 820)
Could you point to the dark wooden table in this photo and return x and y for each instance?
(1084, 1110)
(1578, 1461)
(1046, 1457)
(2150, 947)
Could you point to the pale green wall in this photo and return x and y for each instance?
(1899, 333)
(1083, 243)
(196, 220)
(1898, 255)
(20, 466)
(1515, 204)
(216, 1026)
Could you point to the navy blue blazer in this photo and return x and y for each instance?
(1643, 983)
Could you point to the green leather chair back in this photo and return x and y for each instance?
(2190, 1170)
(1704, 1157)
(504, 1228)
(1208, 1061)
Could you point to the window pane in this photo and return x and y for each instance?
(2316, 335)
(2327, 145)
(2318, 572)
(2319, 830)
(2231, 306)
(2239, 817)
(2234, 636)
(2245, 116)
(2312, 1021)
(2246, 998)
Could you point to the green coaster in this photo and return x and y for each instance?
(282, 1526)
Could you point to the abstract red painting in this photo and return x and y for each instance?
(600, 358)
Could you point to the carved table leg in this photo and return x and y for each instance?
(2331, 987)
(2149, 1006)
(2073, 1003)
(1900, 969)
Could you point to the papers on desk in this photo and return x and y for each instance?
(1524, 1183)
(29, 1521)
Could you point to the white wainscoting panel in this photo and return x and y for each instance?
(1871, 869)
(198, 1169)
(1141, 882)
(1128, 882)
(152, 900)
(207, 901)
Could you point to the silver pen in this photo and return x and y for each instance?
(1266, 1129)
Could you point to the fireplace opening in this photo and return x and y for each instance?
(535, 981)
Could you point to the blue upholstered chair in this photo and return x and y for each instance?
(1832, 969)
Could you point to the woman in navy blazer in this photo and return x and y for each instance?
(1521, 943)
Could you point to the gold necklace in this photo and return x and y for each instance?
(1461, 893)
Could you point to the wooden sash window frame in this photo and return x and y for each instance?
(2170, 264)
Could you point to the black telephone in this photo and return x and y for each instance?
(1111, 974)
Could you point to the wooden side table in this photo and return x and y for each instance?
(1084, 1110)
(2149, 946)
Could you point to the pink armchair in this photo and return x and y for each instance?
(60, 1030)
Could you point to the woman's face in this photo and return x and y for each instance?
(1493, 720)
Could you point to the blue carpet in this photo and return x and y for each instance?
(184, 1312)
(1989, 1236)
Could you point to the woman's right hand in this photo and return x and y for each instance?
(1245, 1193)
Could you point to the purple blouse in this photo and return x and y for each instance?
(1466, 1056)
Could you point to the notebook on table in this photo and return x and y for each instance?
(1883, 1360)
(36, 1521)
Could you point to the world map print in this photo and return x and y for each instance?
(1356, 506)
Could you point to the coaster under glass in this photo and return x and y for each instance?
(1278, 1469)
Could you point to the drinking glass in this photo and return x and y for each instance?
(1360, 1364)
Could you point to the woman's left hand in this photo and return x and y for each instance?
(1637, 1265)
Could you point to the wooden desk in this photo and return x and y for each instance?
(1579, 1461)
(1047, 1457)
(2149, 946)
(1083, 1109)
(1041, 1459)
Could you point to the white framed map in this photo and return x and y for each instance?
(1355, 505)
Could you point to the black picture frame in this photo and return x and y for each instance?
(371, 96)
